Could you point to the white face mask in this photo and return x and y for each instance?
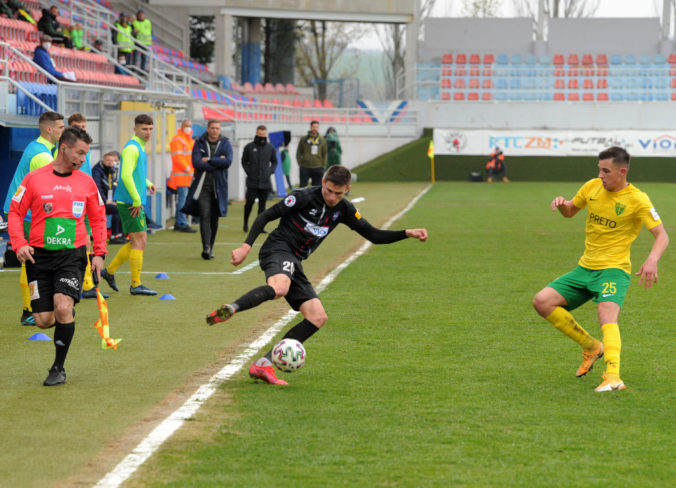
(187, 130)
(46, 45)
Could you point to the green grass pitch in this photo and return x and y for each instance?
(433, 370)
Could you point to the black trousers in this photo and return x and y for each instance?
(251, 195)
(115, 222)
(209, 213)
(315, 174)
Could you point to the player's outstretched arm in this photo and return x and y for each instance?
(566, 207)
(648, 271)
(240, 254)
(420, 234)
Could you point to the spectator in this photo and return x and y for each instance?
(77, 36)
(143, 31)
(211, 158)
(333, 144)
(105, 174)
(286, 166)
(97, 45)
(124, 40)
(44, 60)
(259, 160)
(50, 26)
(181, 172)
(311, 156)
(6, 10)
(496, 164)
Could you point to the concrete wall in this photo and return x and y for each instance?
(608, 36)
(547, 115)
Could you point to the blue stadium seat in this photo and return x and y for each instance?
(662, 96)
(660, 82)
(500, 96)
(616, 96)
(501, 83)
(516, 60)
(545, 60)
(515, 83)
(531, 59)
(503, 59)
(659, 59)
(631, 96)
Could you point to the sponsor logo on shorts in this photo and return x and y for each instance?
(33, 288)
(606, 295)
(72, 282)
(47, 207)
(290, 201)
(18, 195)
(78, 209)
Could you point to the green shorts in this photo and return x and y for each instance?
(602, 285)
(131, 224)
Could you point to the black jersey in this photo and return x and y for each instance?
(306, 220)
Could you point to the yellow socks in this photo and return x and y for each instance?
(564, 321)
(25, 290)
(88, 283)
(135, 263)
(612, 345)
(119, 259)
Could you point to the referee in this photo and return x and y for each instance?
(58, 196)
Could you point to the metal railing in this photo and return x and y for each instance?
(164, 28)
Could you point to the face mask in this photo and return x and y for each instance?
(260, 140)
(187, 130)
(46, 45)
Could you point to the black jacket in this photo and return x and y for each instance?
(104, 177)
(259, 162)
(217, 164)
(48, 24)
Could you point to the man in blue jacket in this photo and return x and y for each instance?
(211, 158)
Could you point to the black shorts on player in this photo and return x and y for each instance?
(55, 272)
(276, 258)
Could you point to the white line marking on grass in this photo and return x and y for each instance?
(171, 424)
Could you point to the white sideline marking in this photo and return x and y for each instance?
(162, 432)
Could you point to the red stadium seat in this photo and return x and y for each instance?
(487, 83)
(458, 96)
(559, 97)
(573, 96)
(474, 83)
(487, 72)
(573, 84)
(447, 72)
(587, 60)
(601, 60)
(460, 72)
(588, 97)
(558, 60)
(459, 83)
(489, 59)
(461, 59)
(474, 59)
(445, 83)
(673, 83)
(602, 83)
(474, 71)
(588, 84)
(327, 103)
(672, 58)
(602, 97)
(445, 95)
(486, 96)
(473, 96)
(573, 60)
(447, 59)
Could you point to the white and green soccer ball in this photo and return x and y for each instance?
(288, 355)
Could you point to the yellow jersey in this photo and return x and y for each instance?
(614, 220)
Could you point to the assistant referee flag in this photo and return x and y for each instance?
(430, 149)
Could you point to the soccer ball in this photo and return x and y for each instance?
(288, 355)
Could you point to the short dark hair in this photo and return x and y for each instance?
(213, 121)
(49, 117)
(115, 154)
(73, 134)
(76, 117)
(143, 119)
(619, 155)
(312, 122)
(338, 175)
(261, 127)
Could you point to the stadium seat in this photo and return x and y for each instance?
(475, 71)
(459, 83)
(587, 60)
(445, 95)
(545, 60)
(503, 59)
(327, 104)
(516, 60)
(461, 59)
(473, 96)
(573, 60)
(573, 96)
(445, 83)
(447, 71)
(601, 60)
(486, 96)
(559, 84)
(487, 84)
(588, 84)
(588, 97)
(558, 60)
(559, 97)
(672, 59)
(459, 96)
(474, 83)
(602, 83)
(573, 84)
(489, 59)
(602, 97)
(474, 59)
(661, 96)
(460, 72)
(447, 59)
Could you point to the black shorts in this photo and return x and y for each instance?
(55, 272)
(276, 258)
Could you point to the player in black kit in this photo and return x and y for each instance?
(307, 217)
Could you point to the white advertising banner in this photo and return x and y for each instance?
(651, 143)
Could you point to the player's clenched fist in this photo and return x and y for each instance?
(420, 234)
(240, 254)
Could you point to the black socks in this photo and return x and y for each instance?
(63, 335)
(254, 298)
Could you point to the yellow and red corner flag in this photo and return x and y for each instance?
(102, 326)
(430, 149)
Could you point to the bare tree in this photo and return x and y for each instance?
(482, 8)
(393, 39)
(319, 46)
(558, 8)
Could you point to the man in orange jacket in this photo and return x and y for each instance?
(496, 164)
(181, 172)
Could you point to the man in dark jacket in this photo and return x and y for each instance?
(311, 155)
(105, 175)
(259, 160)
(211, 158)
(50, 26)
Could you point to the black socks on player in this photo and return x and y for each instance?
(302, 331)
(63, 335)
(254, 298)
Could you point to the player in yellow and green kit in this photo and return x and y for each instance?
(128, 196)
(616, 211)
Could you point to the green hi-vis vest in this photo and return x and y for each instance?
(125, 38)
(145, 32)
